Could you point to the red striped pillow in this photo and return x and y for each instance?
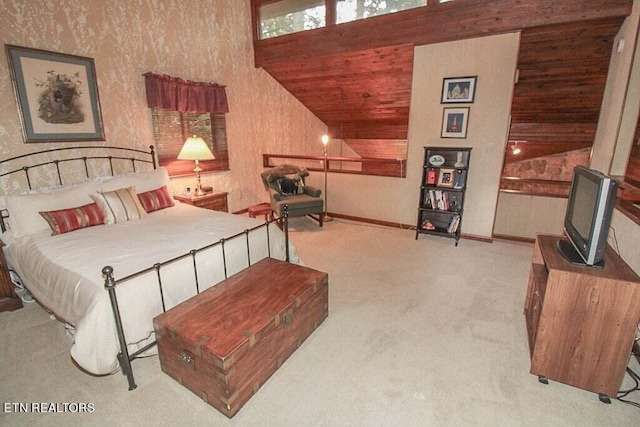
(66, 220)
(155, 200)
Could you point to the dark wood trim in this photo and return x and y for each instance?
(330, 12)
(514, 238)
(394, 168)
(373, 221)
(531, 193)
(10, 304)
(535, 181)
(402, 226)
(9, 301)
(535, 187)
(477, 238)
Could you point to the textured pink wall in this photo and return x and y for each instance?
(204, 40)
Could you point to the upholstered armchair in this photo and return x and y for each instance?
(286, 186)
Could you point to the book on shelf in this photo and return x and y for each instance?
(440, 200)
(454, 222)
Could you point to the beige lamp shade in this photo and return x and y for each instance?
(195, 148)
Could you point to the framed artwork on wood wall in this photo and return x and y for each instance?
(459, 90)
(57, 95)
(454, 122)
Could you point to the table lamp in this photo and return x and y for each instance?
(196, 149)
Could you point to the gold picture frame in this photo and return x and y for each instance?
(446, 178)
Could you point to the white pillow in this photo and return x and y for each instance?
(24, 219)
(143, 181)
(118, 206)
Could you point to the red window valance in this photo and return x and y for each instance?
(176, 94)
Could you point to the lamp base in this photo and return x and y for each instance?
(326, 217)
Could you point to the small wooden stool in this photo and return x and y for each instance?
(261, 209)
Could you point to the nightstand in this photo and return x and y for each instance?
(216, 201)
(9, 301)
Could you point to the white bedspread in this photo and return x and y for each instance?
(64, 272)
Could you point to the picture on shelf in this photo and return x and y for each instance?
(446, 178)
(437, 160)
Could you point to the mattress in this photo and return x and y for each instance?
(63, 272)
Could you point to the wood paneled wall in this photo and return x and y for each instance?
(434, 23)
(562, 72)
(356, 77)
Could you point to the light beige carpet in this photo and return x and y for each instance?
(419, 333)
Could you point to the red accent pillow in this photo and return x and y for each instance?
(66, 220)
(155, 200)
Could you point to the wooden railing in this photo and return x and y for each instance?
(535, 187)
(335, 164)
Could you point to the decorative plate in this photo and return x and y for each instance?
(436, 160)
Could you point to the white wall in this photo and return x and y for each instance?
(493, 60)
(625, 237)
(631, 104)
(615, 97)
(526, 216)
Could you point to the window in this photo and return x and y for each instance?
(351, 10)
(290, 16)
(172, 128)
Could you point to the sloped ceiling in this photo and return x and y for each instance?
(356, 77)
(351, 91)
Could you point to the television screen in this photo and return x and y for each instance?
(581, 212)
(587, 218)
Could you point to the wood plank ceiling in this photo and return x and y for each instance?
(562, 75)
(356, 77)
(362, 94)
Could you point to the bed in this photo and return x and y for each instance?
(158, 256)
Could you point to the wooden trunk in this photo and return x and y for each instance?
(224, 343)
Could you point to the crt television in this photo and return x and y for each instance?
(586, 222)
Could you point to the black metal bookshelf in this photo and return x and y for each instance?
(442, 191)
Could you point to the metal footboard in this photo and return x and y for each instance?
(110, 283)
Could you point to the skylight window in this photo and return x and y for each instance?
(352, 10)
(291, 16)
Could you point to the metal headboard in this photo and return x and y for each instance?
(133, 155)
(56, 162)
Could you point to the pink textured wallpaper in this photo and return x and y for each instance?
(202, 40)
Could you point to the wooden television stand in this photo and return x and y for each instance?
(581, 321)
